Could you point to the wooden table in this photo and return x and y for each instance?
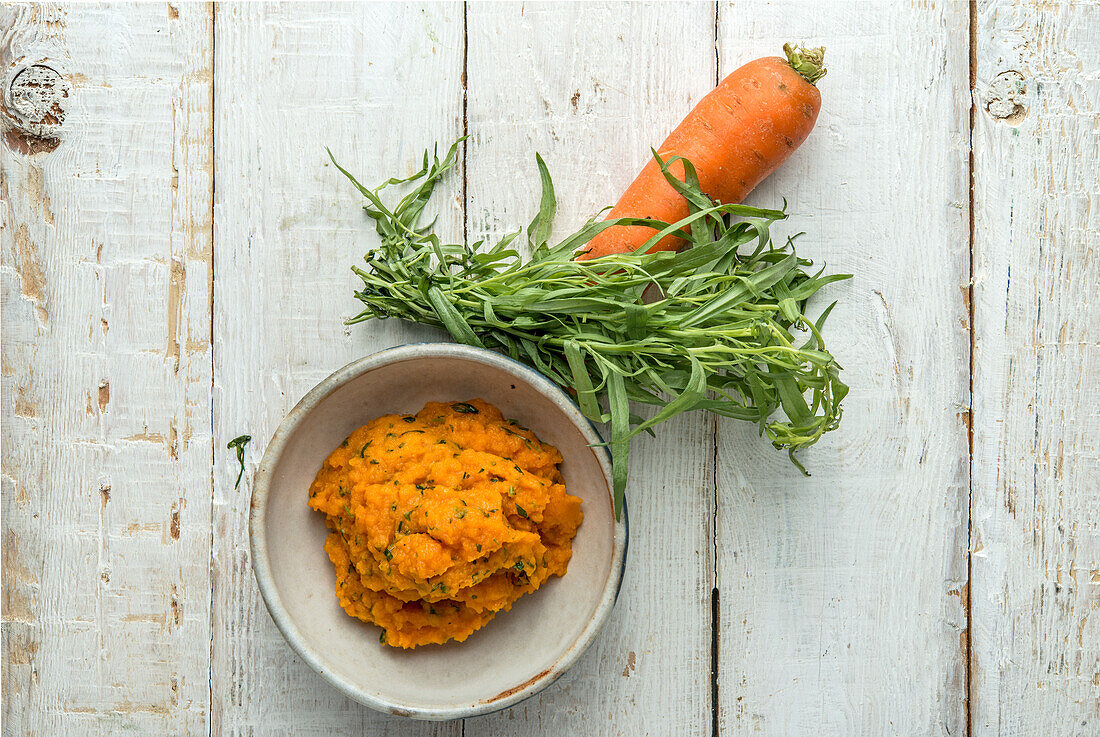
(176, 253)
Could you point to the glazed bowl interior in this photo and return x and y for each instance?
(519, 651)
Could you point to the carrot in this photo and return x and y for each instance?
(736, 136)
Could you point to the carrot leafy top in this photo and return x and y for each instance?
(728, 332)
(810, 63)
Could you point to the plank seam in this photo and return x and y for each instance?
(465, 129)
(715, 601)
(465, 177)
(213, 9)
(715, 594)
(967, 654)
(715, 610)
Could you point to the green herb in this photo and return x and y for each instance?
(728, 332)
(239, 442)
(522, 512)
(464, 409)
(527, 441)
(409, 419)
(388, 554)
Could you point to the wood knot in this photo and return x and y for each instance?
(1007, 96)
(35, 103)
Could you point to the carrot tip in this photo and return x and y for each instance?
(809, 63)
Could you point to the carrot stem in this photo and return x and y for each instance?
(809, 63)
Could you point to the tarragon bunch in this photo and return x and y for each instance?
(727, 331)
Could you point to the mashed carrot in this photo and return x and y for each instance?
(442, 519)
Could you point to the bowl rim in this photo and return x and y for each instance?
(261, 564)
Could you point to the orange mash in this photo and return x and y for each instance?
(442, 519)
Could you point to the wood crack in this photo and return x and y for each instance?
(213, 10)
(715, 595)
(465, 150)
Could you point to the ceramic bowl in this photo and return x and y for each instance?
(519, 652)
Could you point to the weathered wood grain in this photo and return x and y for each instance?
(128, 597)
(1035, 585)
(842, 594)
(376, 84)
(592, 87)
(105, 197)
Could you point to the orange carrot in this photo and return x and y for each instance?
(736, 136)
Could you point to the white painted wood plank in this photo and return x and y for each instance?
(106, 371)
(1035, 583)
(592, 87)
(376, 83)
(842, 594)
